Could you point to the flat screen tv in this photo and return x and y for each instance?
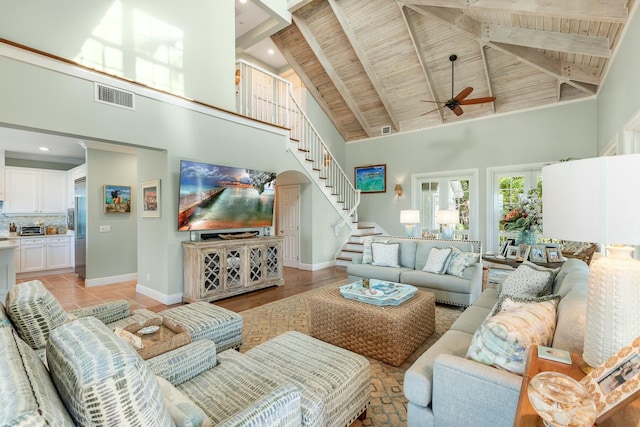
(214, 197)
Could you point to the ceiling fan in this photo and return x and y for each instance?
(456, 101)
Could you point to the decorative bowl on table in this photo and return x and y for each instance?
(561, 401)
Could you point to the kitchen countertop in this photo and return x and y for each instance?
(17, 236)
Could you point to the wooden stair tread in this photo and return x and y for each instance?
(343, 258)
(355, 251)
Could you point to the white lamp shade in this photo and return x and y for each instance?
(593, 200)
(409, 216)
(445, 216)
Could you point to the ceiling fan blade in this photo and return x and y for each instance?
(463, 93)
(433, 102)
(478, 100)
(429, 112)
(458, 111)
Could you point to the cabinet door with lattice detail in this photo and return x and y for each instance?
(234, 267)
(256, 271)
(212, 279)
(273, 260)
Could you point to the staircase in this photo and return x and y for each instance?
(354, 245)
(269, 98)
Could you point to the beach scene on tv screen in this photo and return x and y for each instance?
(214, 197)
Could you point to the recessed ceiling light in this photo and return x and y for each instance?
(44, 149)
(270, 52)
(243, 1)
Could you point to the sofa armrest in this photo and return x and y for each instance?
(476, 282)
(184, 363)
(107, 312)
(465, 390)
(356, 258)
(280, 407)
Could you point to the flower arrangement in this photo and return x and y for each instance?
(526, 215)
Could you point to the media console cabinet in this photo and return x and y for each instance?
(216, 269)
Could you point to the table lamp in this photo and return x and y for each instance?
(410, 218)
(447, 218)
(596, 200)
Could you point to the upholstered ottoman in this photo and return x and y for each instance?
(208, 321)
(339, 377)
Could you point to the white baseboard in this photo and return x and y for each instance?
(314, 267)
(110, 280)
(159, 296)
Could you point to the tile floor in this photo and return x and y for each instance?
(72, 293)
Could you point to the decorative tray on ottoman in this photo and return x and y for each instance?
(385, 293)
(158, 336)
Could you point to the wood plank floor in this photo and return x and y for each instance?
(72, 293)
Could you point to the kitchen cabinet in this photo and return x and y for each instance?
(45, 253)
(35, 190)
(32, 255)
(58, 252)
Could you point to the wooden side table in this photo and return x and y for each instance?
(526, 416)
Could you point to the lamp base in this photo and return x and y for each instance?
(447, 232)
(410, 230)
(586, 368)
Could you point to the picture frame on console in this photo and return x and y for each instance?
(538, 253)
(150, 199)
(371, 178)
(511, 252)
(554, 255)
(523, 252)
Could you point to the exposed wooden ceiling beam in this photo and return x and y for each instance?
(364, 60)
(487, 74)
(419, 51)
(549, 40)
(331, 72)
(472, 28)
(309, 85)
(589, 10)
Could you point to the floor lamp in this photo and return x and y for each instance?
(596, 200)
(410, 218)
(447, 218)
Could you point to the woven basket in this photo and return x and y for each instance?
(583, 254)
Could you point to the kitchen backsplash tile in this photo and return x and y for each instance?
(57, 220)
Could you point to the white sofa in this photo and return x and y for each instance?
(413, 255)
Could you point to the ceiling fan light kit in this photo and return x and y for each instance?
(460, 99)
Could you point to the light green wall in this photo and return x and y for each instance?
(619, 98)
(327, 131)
(540, 135)
(112, 253)
(207, 28)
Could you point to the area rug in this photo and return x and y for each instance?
(388, 405)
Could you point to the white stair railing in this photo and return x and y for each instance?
(264, 96)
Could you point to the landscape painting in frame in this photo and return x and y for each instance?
(117, 198)
(371, 179)
(214, 197)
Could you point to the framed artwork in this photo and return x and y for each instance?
(616, 382)
(150, 199)
(371, 178)
(523, 252)
(117, 198)
(503, 249)
(554, 255)
(512, 252)
(538, 253)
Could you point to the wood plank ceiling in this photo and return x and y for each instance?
(372, 63)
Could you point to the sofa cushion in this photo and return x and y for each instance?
(29, 397)
(471, 320)
(374, 272)
(183, 412)
(34, 312)
(573, 274)
(487, 299)
(460, 260)
(504, 338)
(385, 254)
(570, 326)
(101, 378)
(437, 261)
(445, 282)
(528, 280)
(367, 255)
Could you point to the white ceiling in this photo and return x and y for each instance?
(20, 144)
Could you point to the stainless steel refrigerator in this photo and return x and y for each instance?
(80, 225)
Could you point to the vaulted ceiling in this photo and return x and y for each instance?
(372, 64)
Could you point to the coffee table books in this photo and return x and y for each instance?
(380, 292)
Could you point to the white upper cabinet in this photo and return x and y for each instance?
(35, 190)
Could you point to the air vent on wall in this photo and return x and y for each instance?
(112, 96)
(386, 130)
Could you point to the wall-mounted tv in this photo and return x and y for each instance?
(214, 197)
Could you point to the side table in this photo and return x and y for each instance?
(526, 416)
